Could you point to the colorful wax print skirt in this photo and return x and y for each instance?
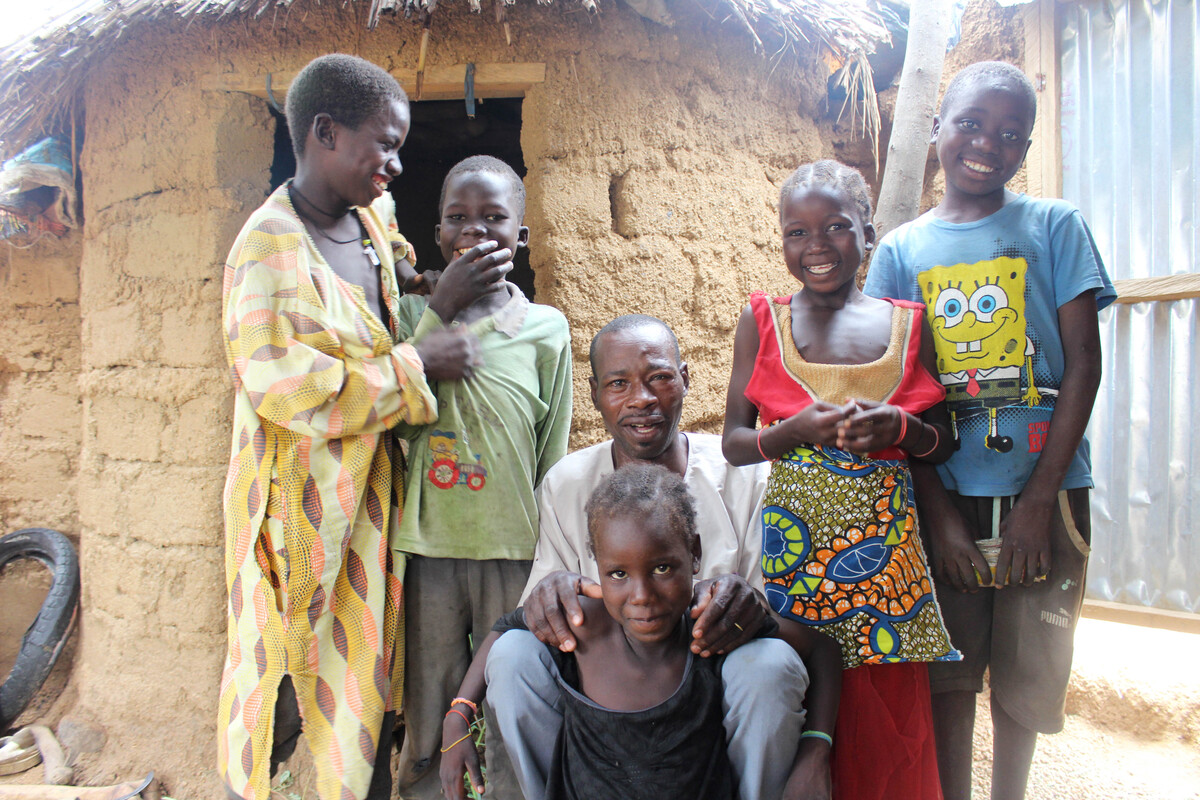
(841, 550)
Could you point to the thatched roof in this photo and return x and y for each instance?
(41, 74)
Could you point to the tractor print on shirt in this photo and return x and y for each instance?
(977, 315)
(447, 471)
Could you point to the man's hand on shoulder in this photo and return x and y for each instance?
(553, 607)
(728, 614)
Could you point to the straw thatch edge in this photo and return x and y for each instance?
(42, 74)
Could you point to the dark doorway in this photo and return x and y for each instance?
(283, 160)
(440, 137)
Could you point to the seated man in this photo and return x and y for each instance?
(638, 386)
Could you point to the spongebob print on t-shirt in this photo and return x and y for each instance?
(985, 355)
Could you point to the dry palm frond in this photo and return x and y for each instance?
(41, 74)
(847, 30)
(856, 79)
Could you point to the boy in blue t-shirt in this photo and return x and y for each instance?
(1012, 286)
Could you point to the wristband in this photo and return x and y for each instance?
(937, 439)
(464, 716)
(825, 737)
(474, 708)
(457, 742)
(758, 441)
(903, 427)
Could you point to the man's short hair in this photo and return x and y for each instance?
(990, 72)
(630, 322)
(641, 490)
(349, 89)
(494, 166)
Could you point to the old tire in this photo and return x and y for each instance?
(46, 636)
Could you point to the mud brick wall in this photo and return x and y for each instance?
(39, 391)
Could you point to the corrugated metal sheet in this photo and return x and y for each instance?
(1131, 158)
(1145, 455)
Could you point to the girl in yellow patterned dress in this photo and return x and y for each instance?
(309, 313)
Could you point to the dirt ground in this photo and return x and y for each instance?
(1133, 721)
(1091, 761)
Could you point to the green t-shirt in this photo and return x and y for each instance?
(471, 475)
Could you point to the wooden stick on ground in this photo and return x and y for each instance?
(54, 760)
(121, 791)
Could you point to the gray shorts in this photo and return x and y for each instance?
(1023, 634)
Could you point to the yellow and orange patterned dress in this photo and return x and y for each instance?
(842, 553)
(310, 499)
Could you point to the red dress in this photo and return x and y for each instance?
(883, 743)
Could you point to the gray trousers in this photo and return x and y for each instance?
(764, 683)
(445, 600)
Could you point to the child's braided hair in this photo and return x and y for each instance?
(642, 490)
(832, 174)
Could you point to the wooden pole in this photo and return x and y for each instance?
(908, 148)
(1043, 165)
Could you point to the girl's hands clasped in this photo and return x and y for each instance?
(858, 426)
(869, 426)
(818, 423)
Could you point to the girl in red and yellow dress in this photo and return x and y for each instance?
(844, 386)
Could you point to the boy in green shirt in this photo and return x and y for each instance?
(471, 521)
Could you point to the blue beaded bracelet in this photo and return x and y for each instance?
(825, 737)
